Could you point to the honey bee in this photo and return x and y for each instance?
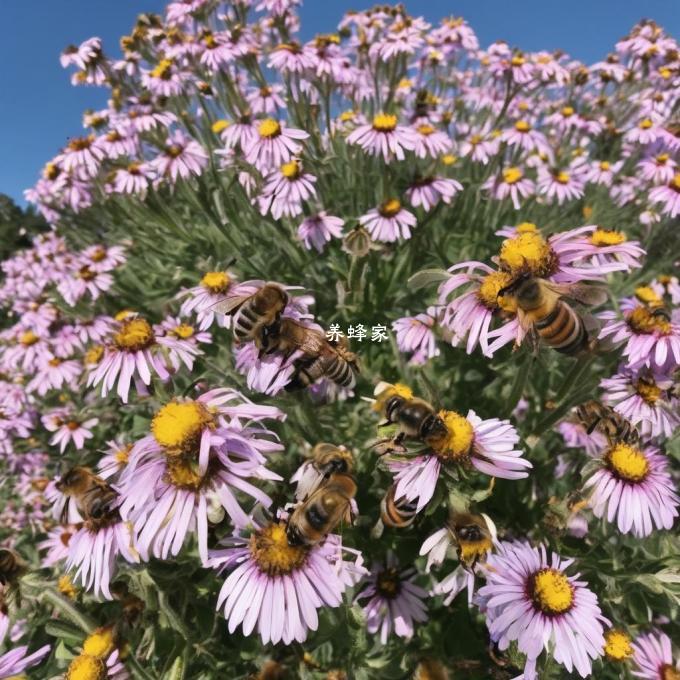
(596, 416)
(255, 314)
(415, 418)
(93, 496)
(328, 458)
(131, 605)
(12, 567)
(397, 514)
(542, 312)
(474, 536)
(313, 519)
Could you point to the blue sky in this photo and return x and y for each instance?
(39, 109)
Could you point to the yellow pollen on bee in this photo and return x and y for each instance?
(471, 551)
(163, 70)
(648, 390)
(86, 667)
(552, 592)
(617, 645)
(526, 228)
(449, 159)
(628, 463)
(489, 288)
(28, 338)
(522, 126)
(527, 251)
(291, 170)
(123, 314)
(178, 426)
(269, 128)
(512, 175)
(385, 122)
(135, 334)
(396, 390)
(219, 125)
(183, 473)
(183, 330)
(100, 643)
(607, 237)
(390, 207)
(273, 554)
(51, 171)
(567, 111)
(648, 295)
(94, 355)
(216, 282)
(457, 443)
(425, 129)
(562, 177)
(643, 320)
(65, 586)
(645, 124)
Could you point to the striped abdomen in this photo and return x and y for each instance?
(339, 371)
(563, 329)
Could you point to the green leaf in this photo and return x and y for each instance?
(427, 277)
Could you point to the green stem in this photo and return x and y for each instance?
(67, 609)
(518, 384)
(137, 670)
(577, 370)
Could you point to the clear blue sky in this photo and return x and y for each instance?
(39, 109)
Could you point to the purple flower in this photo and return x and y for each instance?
(428, 191)
(531, 600)
(273, 145)
(389, 221)
(653, 657)
(182, 157)
(16, 661)
(415, 335)
(317, 230)
(395, 602)
(384, 137)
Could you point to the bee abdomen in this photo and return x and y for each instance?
(340, 372)
(563, 329)
(316, 518)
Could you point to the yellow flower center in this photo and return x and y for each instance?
(346, 116)
(51, 171)
(643, 320)
(183, 473)
(425, 130)
(522, 126)
(456, 444)
(271, 551)
(54, 362)
(648, 295)
(86, 274)
(65, 586)
(512, 175)
(648, 390)
(385, 122)
(605, 165)
(607, 237)
(81, 143)
(98, 254)
(388, 583)
(526, 228)
(123, 314)
(675, 182)
(163, 70)
(552, 592)
(489, 288)
(627, 463)
(269, 128)
(291, 170)
(184, 331)
(216, 282)
(390, 207)
(662, 158)
(562, 177)
(100, 643)
(448, 159)
(85, 667)
(646, 124)
(94, 354)
(177, 426)
(528, 251)
(28, 338)
(617, 645)
(122, 456)
(518, 60)
(568, 111)
(219, 125)
(476, 139)
(134, 335)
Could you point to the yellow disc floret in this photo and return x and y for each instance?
(617, 645)
(100, 643)
(607, 237)
(134, 335)
(390, 207)
(177, 426)
(269, 128)
(522, 126)
(183, 331)
(385, 122)
(628, 463)
(552, 592)
(28, 338)
(527, 252)
(644, 320)
(457, 443)
(291, 170)
(512, 175)
(489, 288)
(273, 554)
(216, 282)
(85, 667)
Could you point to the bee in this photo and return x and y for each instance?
(12, 567)
(542, 311)
(328, 458)
(397, 514)
(313, 519)
(596, 416)
(474, 536)
(255, 314)
(93, 496)
(416, 420)
(131, 605)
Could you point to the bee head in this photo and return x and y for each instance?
(525, 288)
(73, 479)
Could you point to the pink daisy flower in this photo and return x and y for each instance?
(133, 179)
(16, 660)
(81, 281)
(209, 446)
(202, 299)
(428, 141)
(276, 588)
(395, 603)
(530, 599)
(559, 185)
(384, 136)
(182, 158)
(524, 136)
(54, 373)
(510, 183)
(68, 429)
(273, 145)
(389, 222)
(634, 486)
(428, 191)
(653, 657)
(317, 230)
(56, 544)
(669, 195)
(415, 335)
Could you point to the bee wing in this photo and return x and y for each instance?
(313, 343)
(229, 305)
(591, 295)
